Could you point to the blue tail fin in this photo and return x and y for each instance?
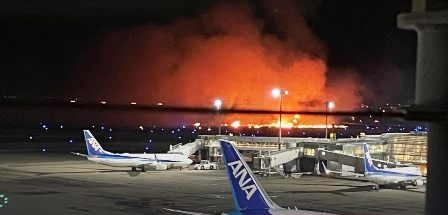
(368, 163)
(93, 147)
(247, 191)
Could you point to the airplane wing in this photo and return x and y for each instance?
(154, 164)
(147, 163)
(79, 154)
(184, 212)
(331, 172)
(397, 181)
(340, 173)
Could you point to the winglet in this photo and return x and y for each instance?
(327, 171)
(247, 191)
(93, 146)
(78, 154)
(368, 163)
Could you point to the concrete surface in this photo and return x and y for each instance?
(68, 184)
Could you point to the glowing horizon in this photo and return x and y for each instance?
(221, 53)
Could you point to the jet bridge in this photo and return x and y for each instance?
(188, 148)
(273, 160)
(283, 156)
(349, 160)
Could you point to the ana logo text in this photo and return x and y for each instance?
(244, 178)
(95, 145)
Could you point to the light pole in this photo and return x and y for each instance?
(279, 93)
(328, 105)
(218, 104)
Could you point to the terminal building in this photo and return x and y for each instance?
(299, 155)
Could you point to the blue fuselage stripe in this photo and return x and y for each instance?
(380, 172)
(124, 157)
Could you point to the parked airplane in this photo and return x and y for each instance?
(248, 195)
(97, 154)
(340, 173)
(400, 176)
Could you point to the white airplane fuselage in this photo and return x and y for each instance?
(134, 160)
(97, 154)
(399, 175)
(409, 175)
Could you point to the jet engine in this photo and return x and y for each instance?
(417, 183)
(161, 167)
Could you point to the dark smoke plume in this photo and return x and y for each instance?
(226, 52)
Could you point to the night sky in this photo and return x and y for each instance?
(190, 52)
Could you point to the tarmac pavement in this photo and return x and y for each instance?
(68, 184)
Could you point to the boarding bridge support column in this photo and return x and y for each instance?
(432, 94)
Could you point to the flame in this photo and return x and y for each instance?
(223, 53)
(236, 124)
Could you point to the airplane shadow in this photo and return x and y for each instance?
(366, 188)
(352, 189)
(87, 170)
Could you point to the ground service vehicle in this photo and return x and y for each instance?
(205, 164)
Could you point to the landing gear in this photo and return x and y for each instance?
(376, 187)
(402, 185)
(143, 169)
(134, 168)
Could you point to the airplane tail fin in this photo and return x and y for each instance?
(368, 163)
(247, 191)
(93, 146)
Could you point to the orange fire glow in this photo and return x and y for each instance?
(222, 53)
